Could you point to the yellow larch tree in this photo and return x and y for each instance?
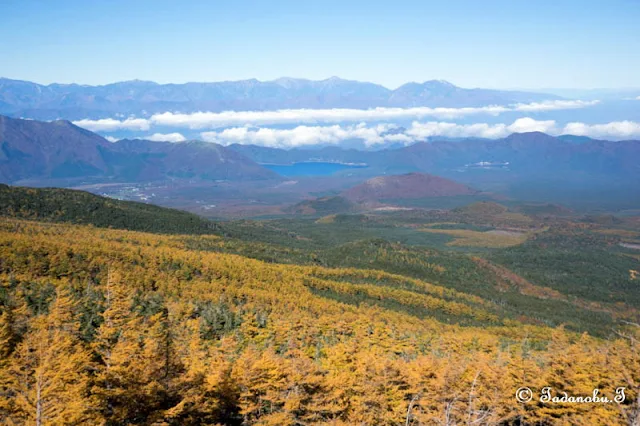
(49, 373)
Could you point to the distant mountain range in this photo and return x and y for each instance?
(47, 151)
(73, 101)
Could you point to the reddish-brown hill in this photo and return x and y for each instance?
(411, 185)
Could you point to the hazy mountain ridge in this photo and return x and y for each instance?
(74, 101)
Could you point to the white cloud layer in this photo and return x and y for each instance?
(479, 130)
(379, 134)
(166, 137)
(304, 135)
(111, 124)
(553, 105)
(613, 130)
(215, 120)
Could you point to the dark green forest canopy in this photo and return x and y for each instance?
(79, 207)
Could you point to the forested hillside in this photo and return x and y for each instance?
(327, 251)
(102, 326)
(65, 205)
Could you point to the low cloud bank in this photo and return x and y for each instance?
(613, 130)
(305, 135)
(214, 120)
(166, 137)
(112, 125)
(386, 133)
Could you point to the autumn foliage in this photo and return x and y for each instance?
(118, 327)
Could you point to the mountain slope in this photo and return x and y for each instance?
(322, 206)
(66, 205)
(193, 159)
(60, 150)
(411, 185)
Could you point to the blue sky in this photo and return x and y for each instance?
(502, 44)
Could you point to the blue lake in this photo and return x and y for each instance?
(310, 168)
